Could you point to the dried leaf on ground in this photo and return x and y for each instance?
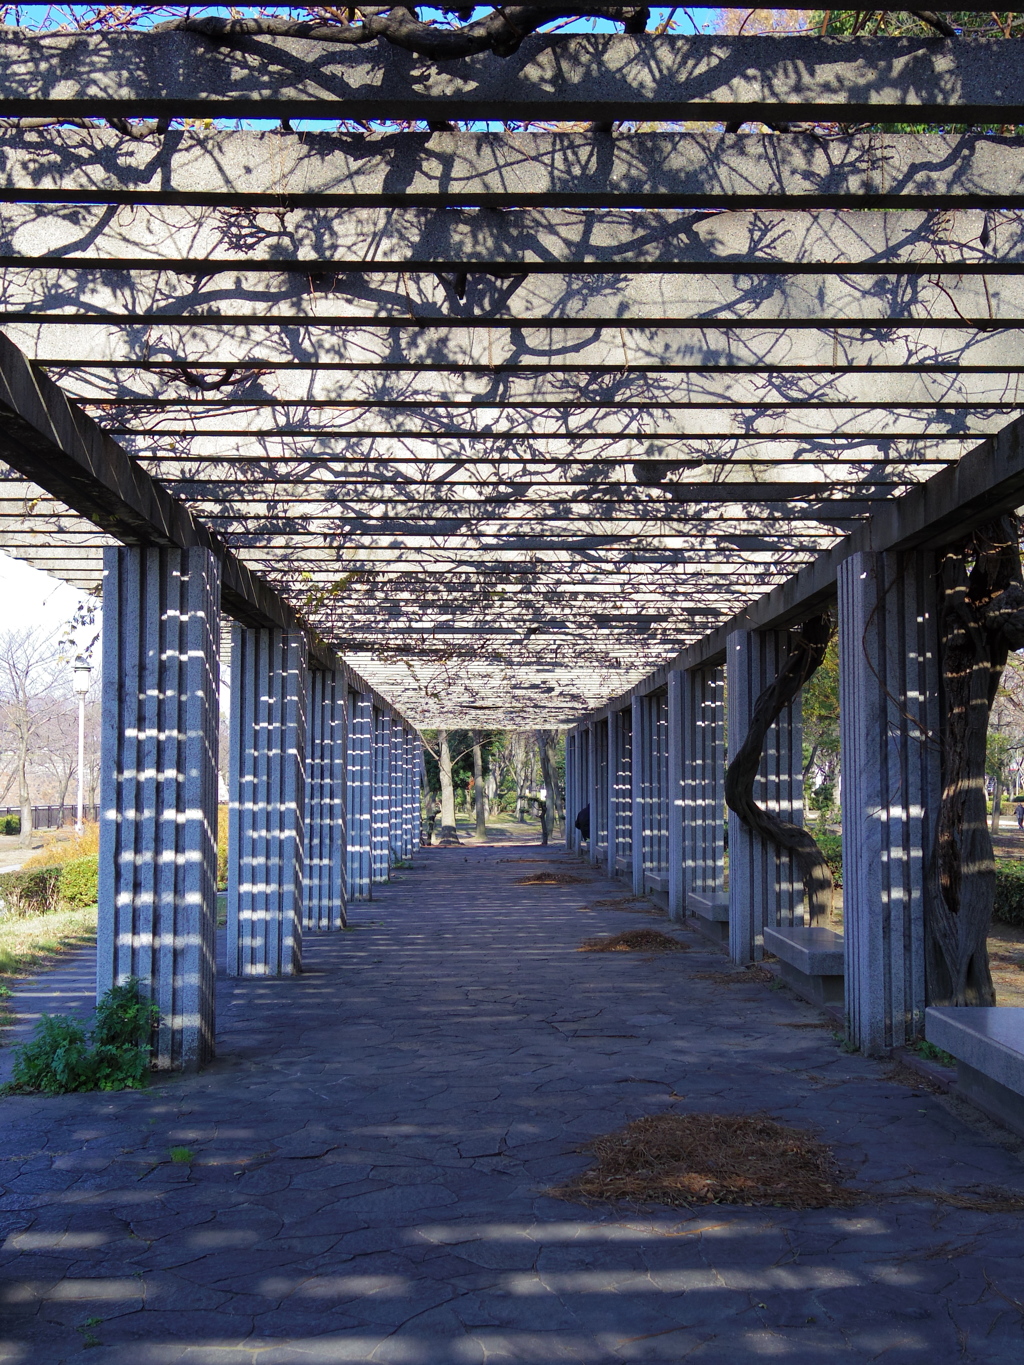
(914, 1080)
(550, 879)
(743, 978)
(978, 1201)
(634, 941)
(685, 1159)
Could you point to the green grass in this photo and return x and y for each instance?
(182, 1156)
(30, 943)
(931, 1053)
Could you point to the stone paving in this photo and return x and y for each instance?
(368, 1158)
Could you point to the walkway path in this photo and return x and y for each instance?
(372, 1147)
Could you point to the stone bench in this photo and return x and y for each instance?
(988, 1044)
(713, 912)
(811, 962)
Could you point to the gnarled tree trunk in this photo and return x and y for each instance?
(809, 645)
(981, 618)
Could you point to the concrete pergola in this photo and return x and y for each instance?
(531, 428)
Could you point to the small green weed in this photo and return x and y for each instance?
(931, 1053)
(114, 1054)
(843, 1043)
(182, 1156)
(88, 1338)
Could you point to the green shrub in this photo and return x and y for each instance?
(78, 883)
(1009, 904)
(114, 1054)
(32, 891)
(10, 824)
(831, 846)
(41, 890)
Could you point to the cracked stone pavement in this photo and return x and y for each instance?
(371, 1149)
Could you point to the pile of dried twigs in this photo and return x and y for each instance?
(684, 1159)
(550, 879)
(634, 941)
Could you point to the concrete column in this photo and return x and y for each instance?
(676, 724)
(613, 742)
(702, 735)
(380, 830)
(623, 787)
(158, 796)
(656, 861)
(268, 797)
(360, 795)
(396, 799)
(889, 718)
(326, 784)
(592, 796)
(640, 767)
(764, 886)
(574, 741)
(417, 769)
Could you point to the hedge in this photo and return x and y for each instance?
(10, 824)
(41, 890)
(1009, 906)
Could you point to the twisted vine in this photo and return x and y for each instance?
(501, 32)
(981, 618)
(809, 644)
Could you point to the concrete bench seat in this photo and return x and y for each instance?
(713, 912)
(811, 961)
(988, 1044)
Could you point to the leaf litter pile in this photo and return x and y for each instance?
(550, 879)
(634, 941)
(685, 1159)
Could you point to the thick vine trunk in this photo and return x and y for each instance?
(449, 833)
(809, 645)
(981, 618)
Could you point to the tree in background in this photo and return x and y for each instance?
(820, 705)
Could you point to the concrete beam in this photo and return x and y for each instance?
(552, 76)
(435, 345)
(491, 426)
(47, 439)
(745, 299)
(197, 241)
(241, 169)
(440, 396)
(984, 483)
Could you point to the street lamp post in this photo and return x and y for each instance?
(81, 675)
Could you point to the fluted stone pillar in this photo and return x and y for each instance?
(574, 742)
(158, 794)
(621, 818)
(702, 749)
(360, 795)
(417, 770)
(640, 780)
(764, 886)
(656, 860)
(268, 781)
(326, 784)
(676, 721)
(889, 726)
(380, 832)
(396, 778)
